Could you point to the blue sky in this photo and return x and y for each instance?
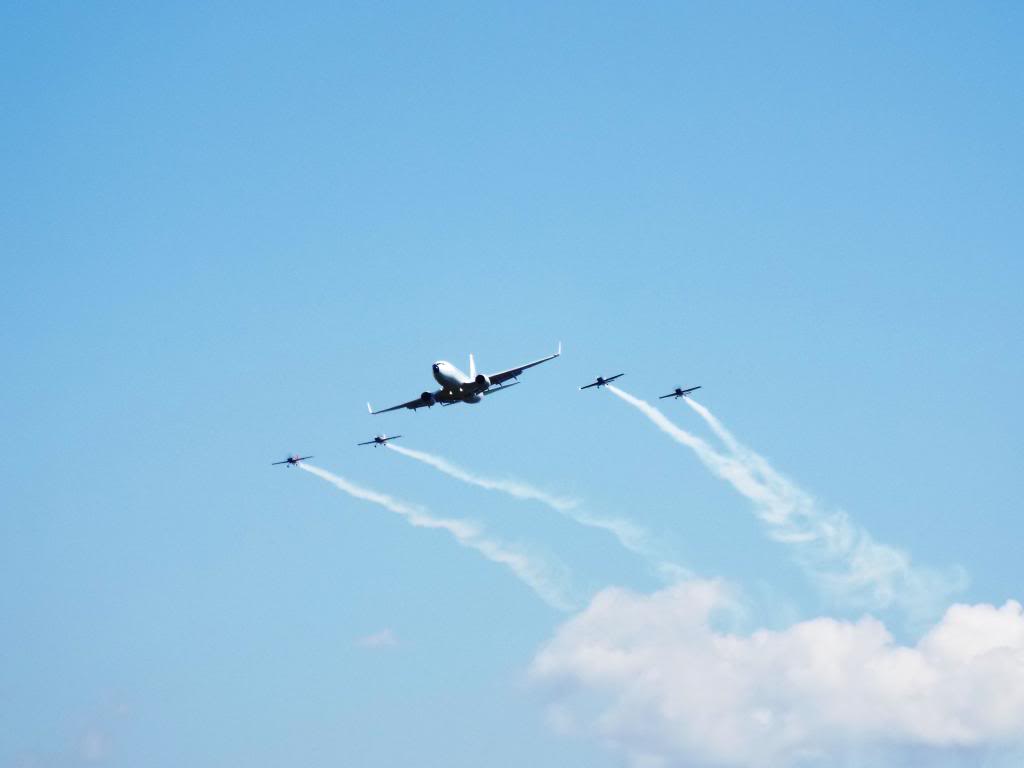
(226, 228)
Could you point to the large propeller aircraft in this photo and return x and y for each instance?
(291, 461)
(601, 381)
(457, 387)
(680, 392)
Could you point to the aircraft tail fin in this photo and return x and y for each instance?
(472, 366)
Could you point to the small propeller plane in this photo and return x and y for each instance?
(379, 440)
(680, 392)
(601, 381)
(457, 387)
(291, 461)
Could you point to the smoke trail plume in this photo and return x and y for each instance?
(630, 536)
(725, 467)
(535, 574)
(844, 557)
(514, 488)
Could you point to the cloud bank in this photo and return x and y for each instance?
(655, 679)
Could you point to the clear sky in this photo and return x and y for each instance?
(227, 226)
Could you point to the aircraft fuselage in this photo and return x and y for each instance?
(458, 387)
(452, 381)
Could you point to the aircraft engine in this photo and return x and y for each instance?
(482, 382)
(427, 398)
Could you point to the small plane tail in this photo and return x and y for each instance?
(472, 366)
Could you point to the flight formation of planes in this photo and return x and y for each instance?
(458, 387)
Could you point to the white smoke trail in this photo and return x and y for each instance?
(752, 460)
(535, 574)
(725, 467)
(514, 488)
(844, 557)
(716, 426)
(632, 537)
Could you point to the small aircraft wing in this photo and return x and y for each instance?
(680, 392)
(368, 442)
(601, 381)
(502, 376)
(291, 460)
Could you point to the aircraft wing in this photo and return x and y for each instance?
(274, 464)
(680, 392)
(439, 397)
(368, 442)
(412, 405)
(303, 458)
(502, 376)
(498, 389)
(602, 382)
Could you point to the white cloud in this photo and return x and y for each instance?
(383, 639)
(93, 746)
(657, 679)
